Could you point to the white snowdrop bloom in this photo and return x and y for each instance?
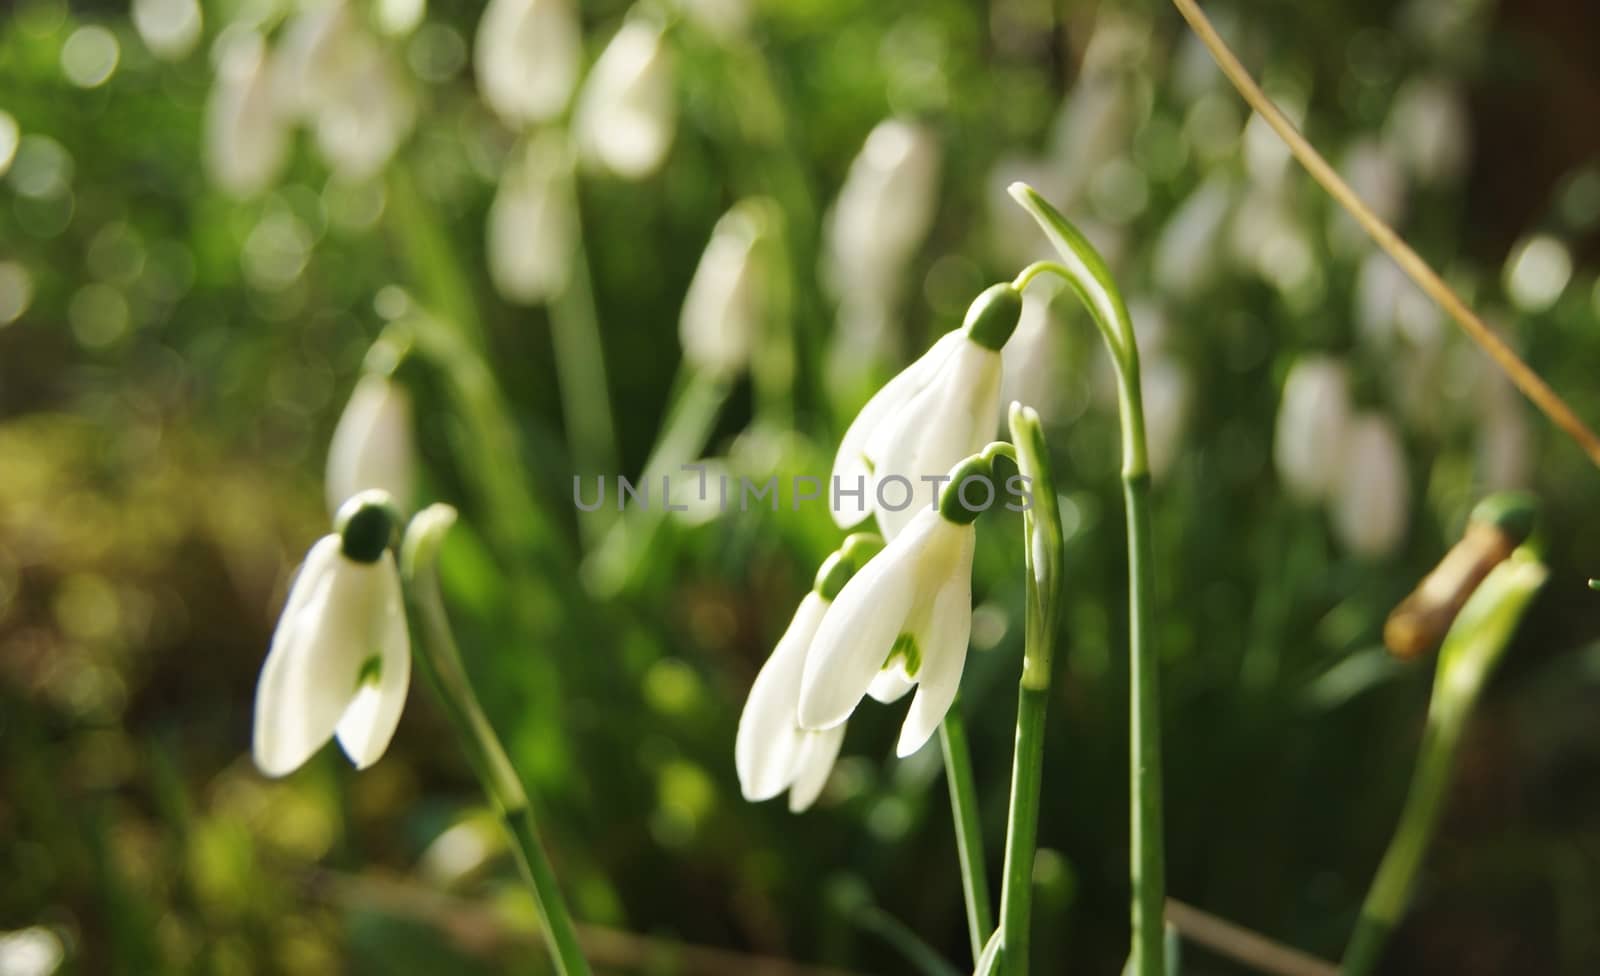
(884, 208)
(373, 445)
(1266, 157)
(1187, 250)
(1371, 499)
(527, 55)
(1313, 418)
(722, 310)
(940, 409)
(246, 129)
(531, 225)
(1428, 129)
(340, 662)
(1390, 306)
(169, 28)
(772, 753)
(1537, 272)
(626, 114)
(1166, 410)
(908, 611)
(1033, 370)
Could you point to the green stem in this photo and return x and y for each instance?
(431, 258)
(1016, 884)
(1085, 271)
(581, 369)
(439, 659)
(969, 833)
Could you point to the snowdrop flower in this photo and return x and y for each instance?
(1033, 371)
(1186, 254)
(247, 132)
(373, 446)
(1429, 129)
(1372, 497)
(940, 409)
(1312, 420)
(1165, 386)
(169, 28)
(1374, 172)
(531, 225)
(907, 612)
(527, 56)
(340, 662)
(884, 209)
(626, 115)
(722, 310)
(771, 751)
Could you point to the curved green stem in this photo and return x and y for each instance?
(1086, 273)
(969, 832)
(439, 659)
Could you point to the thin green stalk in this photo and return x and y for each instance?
(427, 251)
(439, 659)
(1086, 273)
(969, 832)
(1042, 556)
(581, 367)
(1470, 653)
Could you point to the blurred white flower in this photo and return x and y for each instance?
(1428, 129)
(1313, 419)
(723, 308)
(884, 209)
(909, 611)
(1033, 362)
(940, 409)
(527, 55)
(342, 81)
(1390, 306)
(1537, 272)
(1266, 157)
(169, 28)
(531, 225)
(626, 112)
(772, 753)
(1371, 501)
(373, 445)
(246, 128)
(33, 951)
(340, 662)
(723, 19)
(1186, 252)
(1505, 442)
(1166, 410)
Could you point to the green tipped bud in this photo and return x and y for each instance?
(970, 491)
(851, 555)
(1514, 513)
(367, 524)
(994, 315)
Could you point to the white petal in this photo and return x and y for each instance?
(247, 132)
(851, 464)
(369, 722)
(812, 766)
(296, 707)
(626, 114)
(721, 311)
(860, 630)
(944, 645)
(527, 54)
(1312, 420)
(373, 446)
(890, 685)
(769, 740)
(1371, 503)
(531, 227)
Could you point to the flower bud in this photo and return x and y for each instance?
(1372, 496)
(723, 309)
(993, 316)
(373, 445)
(527, 55)
(1312, 419)
(626, 114)
(247, 132)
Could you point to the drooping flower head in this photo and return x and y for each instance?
(903, 620)
(772, 752)
(940, 409)
(527, 56)
(340, 661)
(626, 115)
(531, 224)
(722, 310)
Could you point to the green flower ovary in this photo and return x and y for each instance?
(905, 647)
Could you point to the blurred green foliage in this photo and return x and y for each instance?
(172, 361)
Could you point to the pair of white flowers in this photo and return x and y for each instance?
(340, 661)
(902, 619)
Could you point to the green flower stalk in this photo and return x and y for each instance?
(440, 662)
(1086, 273)
(1470, 653)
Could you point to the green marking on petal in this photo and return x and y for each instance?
(905, 647)
(371, 672)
